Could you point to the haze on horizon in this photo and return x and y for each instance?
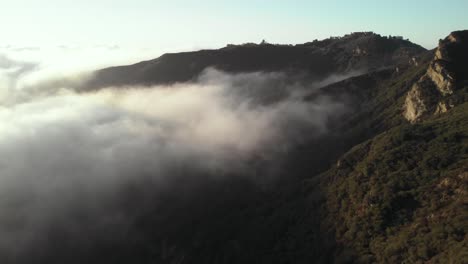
(82, 35)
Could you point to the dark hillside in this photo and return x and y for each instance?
(316, 60)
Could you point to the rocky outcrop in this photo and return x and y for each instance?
(420, 100)
(442, 107)
(442, 78)
(447, 73)
(449, 69)
(414, 104)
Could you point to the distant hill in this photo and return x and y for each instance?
(316, 60)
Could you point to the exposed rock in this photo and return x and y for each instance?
(443, 79)
(450, 62)
(439, 69)
(414, 61)
(442, 107)
(414, 107)
(452, 37)
(419, 100)
(441, 54)
(447, 72)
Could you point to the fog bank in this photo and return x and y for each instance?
(66, 154)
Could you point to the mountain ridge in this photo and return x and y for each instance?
(316, 60)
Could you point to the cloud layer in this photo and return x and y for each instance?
(66, 154)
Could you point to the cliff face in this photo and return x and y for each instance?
(442, 78)
(426, 97)
(415, 106)
(445, 76)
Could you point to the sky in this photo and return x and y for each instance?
(105, 32)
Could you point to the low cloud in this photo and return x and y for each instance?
(65, 153)
(11, 72)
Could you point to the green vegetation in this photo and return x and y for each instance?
(401, 197)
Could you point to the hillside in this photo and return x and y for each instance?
(355, 52)
(401, 196)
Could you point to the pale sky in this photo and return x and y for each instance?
(105, 32)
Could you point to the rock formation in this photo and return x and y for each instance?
(420, 99)
(443, 74)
